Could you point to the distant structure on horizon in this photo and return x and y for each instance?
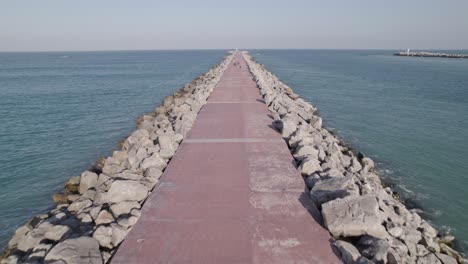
(409, 53)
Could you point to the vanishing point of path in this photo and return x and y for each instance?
(231, 194)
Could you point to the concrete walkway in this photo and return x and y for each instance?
(231, 194)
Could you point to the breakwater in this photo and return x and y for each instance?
(431, 54)
(367, 220)
(97, 209)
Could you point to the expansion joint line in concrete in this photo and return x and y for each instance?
(233, 102)
(231, 140)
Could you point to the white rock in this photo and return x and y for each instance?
(104, 217)
(124, 191)
(32, 239)
(349, 253)
(19, 233)
(57, 232)
(103, 235)
(79, 204)
(305, 151)
(332, 188)
(446, 259)
(353, 216)
(75, 251)
(310, 165)
(167, 146)
(154, 161)
(88, 180)
(289, 125)
(124, 208)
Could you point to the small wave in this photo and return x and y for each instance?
(405, 189)
(445, 229)
(437, 212)
(386, 171)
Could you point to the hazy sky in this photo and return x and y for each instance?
(205, 24)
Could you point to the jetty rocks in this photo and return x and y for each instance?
(368, 222)
(97, 209)
(431, 54)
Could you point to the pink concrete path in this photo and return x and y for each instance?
(231, 194)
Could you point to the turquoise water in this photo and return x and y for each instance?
(408, 114)
(60, 111)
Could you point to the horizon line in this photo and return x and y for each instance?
(225, 49)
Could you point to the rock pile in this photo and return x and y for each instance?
(98, 208)
(369, 224)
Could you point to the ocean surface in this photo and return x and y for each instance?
(60, 111)
(409, 114)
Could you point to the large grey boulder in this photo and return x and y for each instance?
(32, 238)
(79, 204)
(154, 161)
(428, 259)
(349, 253)
(75, 251)
(88, 180)
(289, 125)
(332, 188)
(57, 232)
(124, 208)
(307, 150)
(353, 216)
(167, 146)
(310, 165)
(446, 259)
(373, 248)
(122, 190)
(110, 236)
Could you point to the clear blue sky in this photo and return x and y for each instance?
(205, 24)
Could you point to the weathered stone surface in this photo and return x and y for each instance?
(154, 161)
(128, 222)
(310, 165)
(332, 188)
(57, 232)
(349, 253)
(124, 208)
(88, 181)
(103, 236)
(429, 258)
(104, 217)
(353, 216)
(38, 252)
(118, 234)
(75, 251)
(112, 169)
(446, 259)
(19, 233)
(128, 175)
(167, 146)
(124, 191)
(373, 248)
(153, 173)
(79, 204)
(289, 125)
(451, 252)
(411, 235)
(304, 151)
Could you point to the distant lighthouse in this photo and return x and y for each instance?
(407, 52)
